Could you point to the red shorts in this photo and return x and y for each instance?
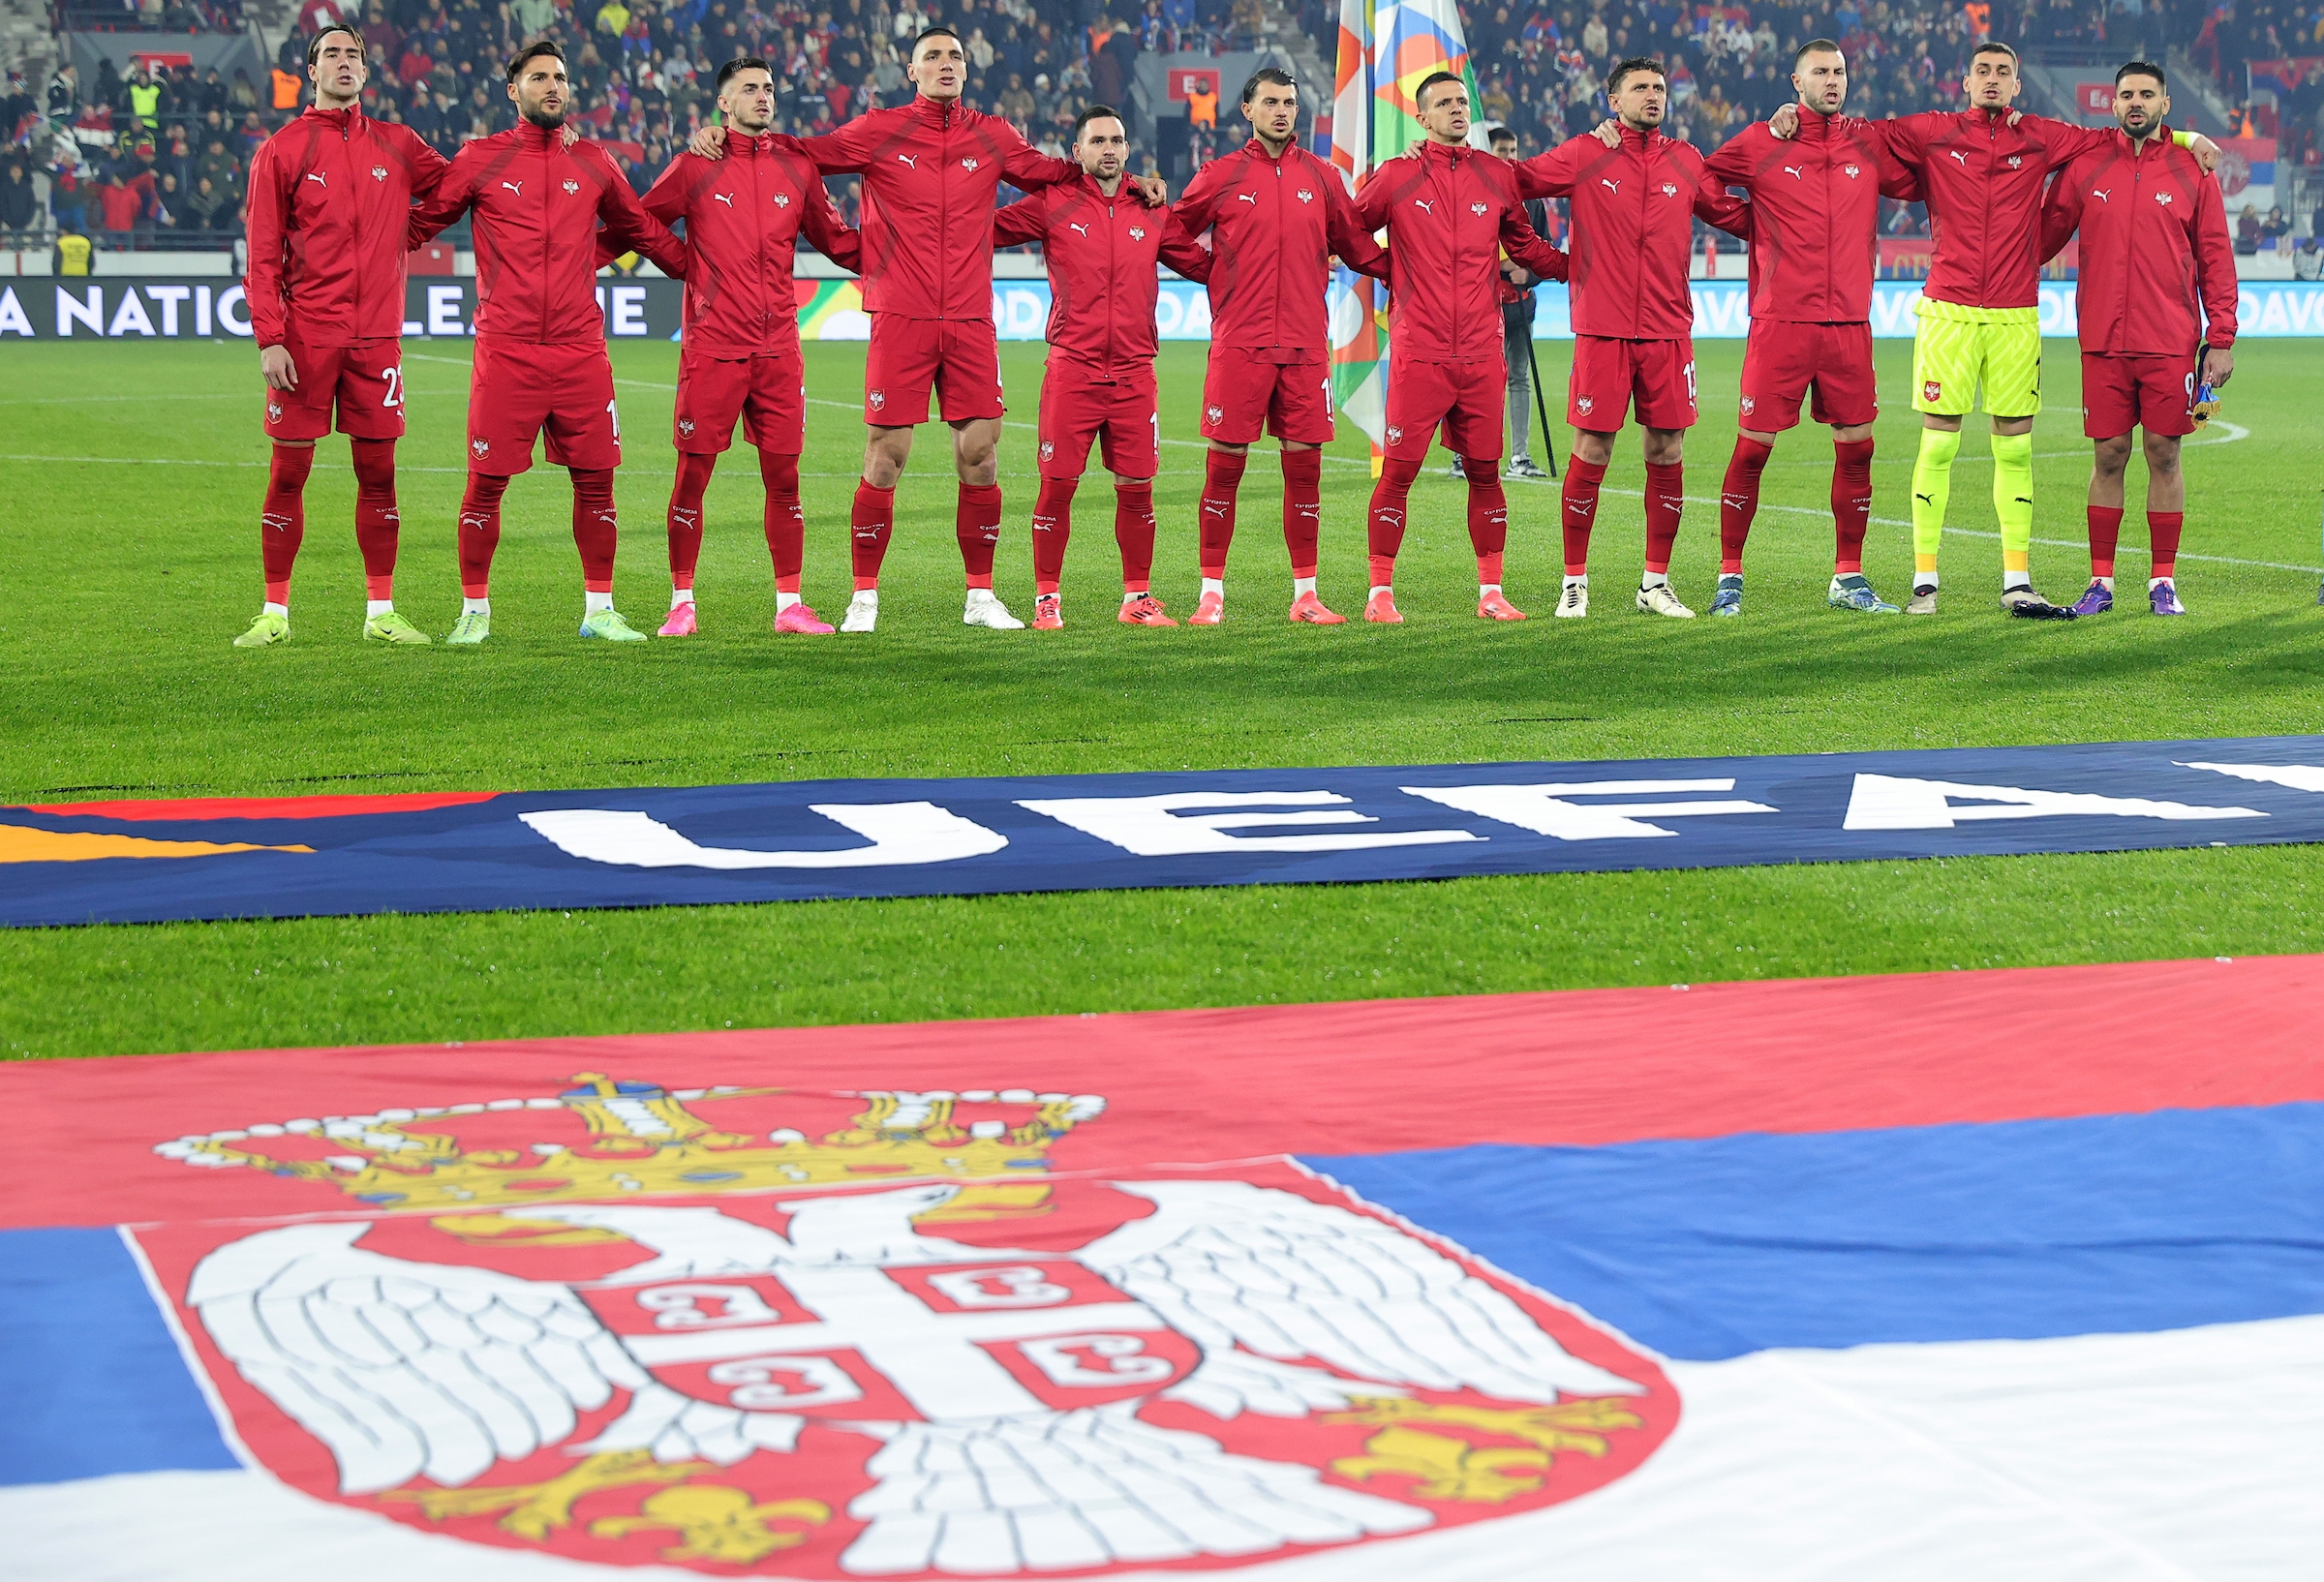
(959, 357)
(1120, 415)
(1784, 359)
(365, 382)
(767, 392)
(1464, 398)
(2151, 390)
(1608, 375)
(1242, 393)
(517, 388)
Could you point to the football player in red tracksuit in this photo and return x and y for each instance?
(1814, 220)
(1633, 206)
(535, 202)
(2156, 280)
(1450, 211)
(1100, 243)
(325, 222)
(1277, 214)
(743, 214)
(932, 169)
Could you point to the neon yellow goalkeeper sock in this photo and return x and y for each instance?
(2013, 491)
(1932, 488)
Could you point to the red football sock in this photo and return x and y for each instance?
(376, 520)
(870, 527)
(479, 531)
(786, 518)
(976, 522)
(1580, 500)
(1488, 517)
(1303, 507)
(1222, 476)
(1852, 504)
(686, 516)
(1134, 533)
(594, 529)
(1052, 526)
(2105, 532)
(2162, 526)
(283, 517)
(1739, 500)
(1666, 498)
(1391, 500)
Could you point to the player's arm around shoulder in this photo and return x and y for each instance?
(454, 191)
(2214, 264)
(1554, 173)
(2062, 210)
(1028, 220)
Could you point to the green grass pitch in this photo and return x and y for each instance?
(128, 558)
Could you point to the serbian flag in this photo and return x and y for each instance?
(2007, 1275)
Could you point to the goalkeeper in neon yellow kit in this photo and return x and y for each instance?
(1986, 171)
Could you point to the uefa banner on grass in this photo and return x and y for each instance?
(2005, 1276)
(140, 862)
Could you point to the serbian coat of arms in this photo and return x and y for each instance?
(812, 1335)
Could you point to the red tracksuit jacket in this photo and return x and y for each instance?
(2156, 257)
(743, 214)
(1450, 213)
(328, 197)
(1275, 225)
(1984, 179)
(1634, 210)
(930, 174)
(1814, 214)
(535, 207)
(1101, 254)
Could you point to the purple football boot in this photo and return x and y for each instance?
(2163, 599)
(2096, 599)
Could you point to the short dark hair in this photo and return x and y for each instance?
(1095, 112)
(1500, 134)
(1636, 63)
(538, 47)
(2140, 68)
(1420, 95)
(740, 63)
(315, 44)
(1274, 75)
(1816, 46)
(1994, 46)
(933, 30)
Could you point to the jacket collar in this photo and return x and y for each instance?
(750, 145)
(1258, 151)
(342, 121)
(1439, 154)
(528, 136)
(1640, 142)
(1815, 127)
(942, 116)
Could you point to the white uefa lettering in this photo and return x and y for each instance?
(1067, 1360)
(1020, 1284)
(1549, 809)
(679, 1307)
(769, 1383)
(1888, 801)
(900, 832)
(1154, 826)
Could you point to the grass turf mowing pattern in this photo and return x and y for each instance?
(130, 575)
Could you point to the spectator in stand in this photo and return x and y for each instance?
(63, 93)
(19, 212)
(2246, 230)
(118, 208)
(2276, 224)
(208, 211)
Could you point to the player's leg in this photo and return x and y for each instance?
(1848, 401)
(2110, 454)
(871, 521)
(1052, 530)
(298, 412)
(2010, 356)
(1071, 410)
(684, 527)
(1775, 377)
(370, 398)
(479, 538)
(710, 397)
(1235, 392)
(1303, 526)
(585, 439)
(1132, 439)
(1664, 390)
(596, 535)
(1418, 395)
(1943, 380)
(2166, 394)
(976, 519)
(508, 404)
(1597, 395)
(785, 525)
(1472, 427)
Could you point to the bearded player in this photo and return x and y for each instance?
(328, 195)
(1984, 169)
(1277, 214)
(535, 202)
(1814, 222)
(2155, 278)
(744, 215)
(1100, 243)
(1634, 205)
(931, 170)
(1449, 212)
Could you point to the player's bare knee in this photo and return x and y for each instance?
(2111, 456)
(1943, 422)
(2162, 454)
(1665, 447)
(1592, 447)
(2014, 425)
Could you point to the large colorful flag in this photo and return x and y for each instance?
(2007, 1275)
(1385, 51)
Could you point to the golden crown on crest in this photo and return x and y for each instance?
(644, 1137)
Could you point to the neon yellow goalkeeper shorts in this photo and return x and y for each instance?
(1958, 349)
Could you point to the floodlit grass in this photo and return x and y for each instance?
(128, 524)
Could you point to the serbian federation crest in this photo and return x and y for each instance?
(806, 1336)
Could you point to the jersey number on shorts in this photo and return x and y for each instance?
(393, 378)
(1689, 383)
(612, 413)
